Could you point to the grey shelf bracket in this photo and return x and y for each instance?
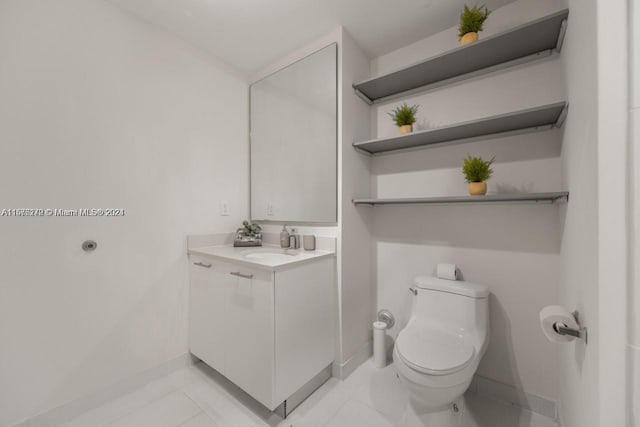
(561, 34)
(514, 122)
(535, 39)
(467, 76)
(562, 117)
(472, 139)
(529, 198)
(361, 151)
(362, 96)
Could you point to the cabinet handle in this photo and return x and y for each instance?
(237, 273)
(202, 264)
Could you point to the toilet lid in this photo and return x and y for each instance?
(433, 351)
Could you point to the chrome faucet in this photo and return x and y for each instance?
(294, 239)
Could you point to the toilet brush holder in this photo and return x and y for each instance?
(384, 322)
(379, 350)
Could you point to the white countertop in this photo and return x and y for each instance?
(266, 257)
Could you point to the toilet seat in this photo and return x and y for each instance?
(433, 351)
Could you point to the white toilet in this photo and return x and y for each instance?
(439, 350)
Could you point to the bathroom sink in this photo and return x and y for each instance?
(271, 257)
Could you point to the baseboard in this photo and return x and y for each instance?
(560, 419)
(344, 369)
(70, 410)
(512, 396)
(299, 396)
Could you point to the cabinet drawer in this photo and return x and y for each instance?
(231, 269)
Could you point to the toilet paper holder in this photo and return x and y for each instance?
(562, 329)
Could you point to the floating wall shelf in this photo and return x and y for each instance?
(539, 198)
(520, 44)
(529, 120)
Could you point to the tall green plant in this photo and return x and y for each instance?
(404, 115)
(477, 170)
(472, 19)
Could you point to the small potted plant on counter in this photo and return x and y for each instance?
(477, 172)
(471, 23)
(404, 117)
(249, 235)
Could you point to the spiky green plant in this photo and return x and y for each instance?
(472, 19)
(251, 228)
(477, 170)
(404, 115)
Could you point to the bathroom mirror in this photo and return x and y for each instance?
(294, 141)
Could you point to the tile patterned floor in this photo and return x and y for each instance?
(199, 397)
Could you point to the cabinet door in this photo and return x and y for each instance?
(250, 334)
(305, 310)
(207, 323)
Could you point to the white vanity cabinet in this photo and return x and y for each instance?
(269, 332)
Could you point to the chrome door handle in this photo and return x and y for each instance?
(202, 264)
(237, 273)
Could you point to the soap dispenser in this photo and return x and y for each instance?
(284, 237)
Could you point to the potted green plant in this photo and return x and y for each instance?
(477, 172)
(471, 23)
(251, 229)
(404, 117)
(250, 234)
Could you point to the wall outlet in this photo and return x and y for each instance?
(224, 208)
(270, 209)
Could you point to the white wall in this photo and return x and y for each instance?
(514, 249)
(613, 208)
(594, 243)
(633, 307)
(594, 251)
(99, 109)
(357, 287)
(579, 286)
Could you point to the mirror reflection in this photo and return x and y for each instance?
(294, 141)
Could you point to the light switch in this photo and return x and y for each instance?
(270, 209)
(224, 208)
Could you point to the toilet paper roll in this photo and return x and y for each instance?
(552, 314)
(447, 271)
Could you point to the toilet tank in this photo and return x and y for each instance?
(453, 304)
